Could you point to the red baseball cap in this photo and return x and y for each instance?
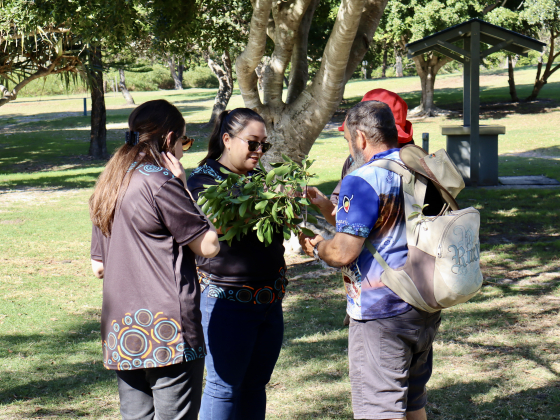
(399, 108)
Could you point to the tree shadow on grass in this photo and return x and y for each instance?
(495, 101)
(59, 180)
(461, 401)
(314, 316)
(49, 380)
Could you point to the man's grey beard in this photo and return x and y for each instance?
(358, 160)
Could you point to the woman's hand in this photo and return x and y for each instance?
(173, 164)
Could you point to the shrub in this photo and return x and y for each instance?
(200, 77)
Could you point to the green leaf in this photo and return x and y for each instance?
(286, 232)
(268, 195)
(286, 158)
(248, 186)
(413, 215)
(270, 176)
(307, 232)
(229, 235)
(262, 166)
(275, 211)
(205, 207)
(243, 198)
(283, 170)
(260, 234)
(243, 208)
(311, 219)
(289, 210)
(303, 201)
(201, 200)
(224, 170)
(261, 205)
(315, 208)
(268, 235)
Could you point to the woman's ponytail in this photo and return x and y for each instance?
(216, 141)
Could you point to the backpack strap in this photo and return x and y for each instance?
(400, 284)
(414, 189)
(376, 255)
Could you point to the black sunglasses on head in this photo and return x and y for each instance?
(187, 143)
(254, 145)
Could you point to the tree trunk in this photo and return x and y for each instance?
(124, 90)
(104, 85)
(548, 70)
(398, 63)
(511, 80)
(224, 73)
(98, 134)
(384, 64)
(364, 70)
(292, 127)
(176, 80)
(427, 71)
(180, 70)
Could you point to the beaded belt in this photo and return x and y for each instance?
(264, 292)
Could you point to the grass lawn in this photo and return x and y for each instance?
(497, 356)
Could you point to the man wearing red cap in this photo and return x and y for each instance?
(404, 127)
(389, 342)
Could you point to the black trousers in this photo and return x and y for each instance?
(163, 393)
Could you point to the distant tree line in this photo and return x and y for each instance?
(310, 47)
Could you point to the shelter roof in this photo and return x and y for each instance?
(499, 38)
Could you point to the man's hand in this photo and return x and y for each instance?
(328, 209)
(308, 243)
(173, 164)
(318, 198)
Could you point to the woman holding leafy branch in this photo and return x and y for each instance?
(147, 230)
(244, 284)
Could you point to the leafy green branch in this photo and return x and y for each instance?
(419, 215)
(267, 202)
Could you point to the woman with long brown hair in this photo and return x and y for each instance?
(147, 231)
(243, 285)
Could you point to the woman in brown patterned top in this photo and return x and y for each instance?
(146, 232)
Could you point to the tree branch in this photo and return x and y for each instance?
(369, 21)
(287, 18)
(309, 113)
(250, 58)
(328, 83)
(299, 73)
(51, 30)
(8, 96)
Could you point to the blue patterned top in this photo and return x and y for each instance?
(370, 206)
(207, 170)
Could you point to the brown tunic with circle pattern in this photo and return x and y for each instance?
(151, 296)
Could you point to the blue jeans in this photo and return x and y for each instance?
(243, 342)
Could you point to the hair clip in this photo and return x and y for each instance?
(132, 138)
